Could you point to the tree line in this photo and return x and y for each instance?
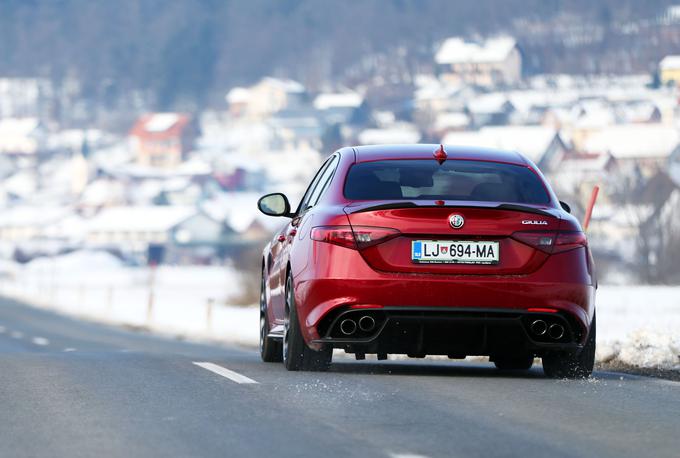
(189, 50)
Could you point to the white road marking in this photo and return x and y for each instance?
(2, 329)
(40, 341)
(68, 349)
(224, 372)
(16, 334)
(405, 455)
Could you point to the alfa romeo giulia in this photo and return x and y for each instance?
(428, 250)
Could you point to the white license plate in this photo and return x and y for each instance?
(454, 252)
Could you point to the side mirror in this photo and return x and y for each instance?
(275, 204)
(565, 207)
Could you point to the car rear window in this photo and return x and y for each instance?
(453, 180)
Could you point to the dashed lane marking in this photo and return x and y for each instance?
(41, 341)
(16, 334)
(69, 349)
(405, 455)
(224, 372)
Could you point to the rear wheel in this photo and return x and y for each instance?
(570, 365)
(297, 356)
(514, 363)
(270, 349)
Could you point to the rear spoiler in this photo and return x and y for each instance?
(406, 204)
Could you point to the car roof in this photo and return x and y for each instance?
(371, 153)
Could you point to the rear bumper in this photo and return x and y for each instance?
(338, 278)
(455, 332)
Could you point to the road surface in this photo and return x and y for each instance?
(69, 388)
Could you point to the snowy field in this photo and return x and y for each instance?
(637, 325)
(188, 301)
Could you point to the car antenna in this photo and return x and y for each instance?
(440, 155)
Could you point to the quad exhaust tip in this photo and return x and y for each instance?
(366, 323)
(348, 327)
(539, 327)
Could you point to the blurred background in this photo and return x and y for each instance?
(140, 133)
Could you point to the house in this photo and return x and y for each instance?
(492, 109)
(450, 122)
(237, 99)
(101, 192)
(330, 100)
(28, 231)
(22, 97)
(166, 233)
(267, 96)
(639, 113)
(433, 95)
(25, 223)
(22, 136)
(394, 134)
(162, 139)
(576, 174)
(669, 69)
(337, 107)
(297, 129)
(543, 145)
(490, 63)
(646, 145)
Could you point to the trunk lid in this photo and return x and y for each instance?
(483, 221)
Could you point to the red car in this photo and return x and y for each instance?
(428, 250)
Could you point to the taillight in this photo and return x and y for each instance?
(357, 237)
(566, 241)
(552, 241)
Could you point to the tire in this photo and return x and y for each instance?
(297, 356)
(514, 363)
(570, 365)
(271, 350)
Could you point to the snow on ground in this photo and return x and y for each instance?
(191, 301)
(637, 325)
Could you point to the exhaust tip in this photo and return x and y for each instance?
(539, 327)
(556, 331)
(366, 323)
(348, 327)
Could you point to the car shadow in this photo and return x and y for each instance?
(442, 368)
(431, 368)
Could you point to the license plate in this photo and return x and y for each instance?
(454, 252)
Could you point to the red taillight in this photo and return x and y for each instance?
(357, 237)
(543, 241)
(541, 310)
(569, 240)
(552, 241)
(337, 235)
(366, 306)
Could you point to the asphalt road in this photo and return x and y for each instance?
(69, 388)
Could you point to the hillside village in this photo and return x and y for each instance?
(181, 187)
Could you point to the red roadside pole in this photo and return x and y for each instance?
(589, 209)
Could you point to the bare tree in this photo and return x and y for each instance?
(645, 203)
